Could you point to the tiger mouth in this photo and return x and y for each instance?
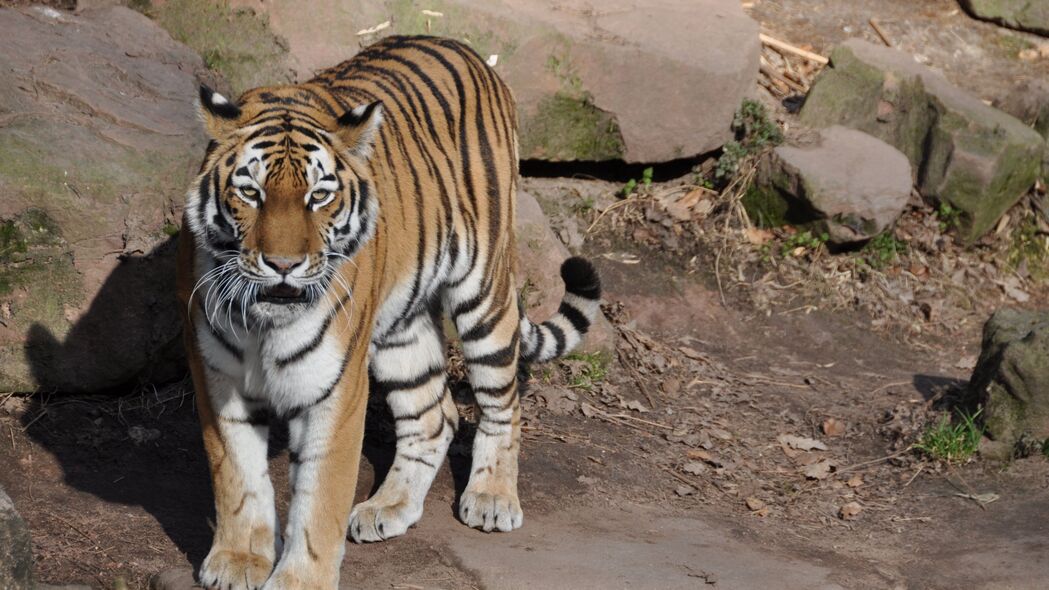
(282, 293)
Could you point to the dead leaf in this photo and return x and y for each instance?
(850, 511)
(818, 470)
(636, 406)
(833, 427)
(719, 433)
(801, 443)
(757, 236)
(698, 454)
(694, 468)
(588, 410)
(855, 481)
(755, 503)
(692, 353)
(684, 490)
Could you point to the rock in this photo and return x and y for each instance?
(180, 578)
(16, 556)
(845, 183)
(974, 157)
(540, 254)
(1028, 101)
(1025, 15)
(98, 142)
(641, 82)
(1011, 379)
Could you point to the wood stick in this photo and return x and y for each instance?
(766, 68)
(777, 44)
(877, 29)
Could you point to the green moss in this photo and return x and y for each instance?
(236, 43)
(1010, 45)
(170, 230)
(765, 206)
(569, 128)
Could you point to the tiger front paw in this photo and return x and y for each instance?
(490, 511)
(234, 570)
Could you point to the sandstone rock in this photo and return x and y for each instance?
(1011, 379)
(98, 140)
(642, 82)
(1029, 102)
(180, 578)
(16, 557)
(845, 183)
(540, 254)
(976, 158)
(1025, 15)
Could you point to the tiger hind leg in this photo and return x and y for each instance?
(487, 322)
(409, 367)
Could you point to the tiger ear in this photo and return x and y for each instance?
(219, 114)
(359, 127)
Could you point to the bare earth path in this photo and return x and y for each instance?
(643, 478)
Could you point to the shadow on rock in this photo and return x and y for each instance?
(137, 445)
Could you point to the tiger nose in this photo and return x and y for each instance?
(282, 264)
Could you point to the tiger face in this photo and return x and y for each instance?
(283, 198)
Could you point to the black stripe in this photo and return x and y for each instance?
(575, 317)
(312, 345)
(559, 337)
(403, 384)
(503, 357)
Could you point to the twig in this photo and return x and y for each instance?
(888, 385)
(717, 275)
(637, 378)
(766, 68)
(874, 461)
(610, 208)
(877, 29)
(776, 43)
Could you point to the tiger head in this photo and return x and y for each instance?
(284, 196)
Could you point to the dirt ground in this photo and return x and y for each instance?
(717, 448)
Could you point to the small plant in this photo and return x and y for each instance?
(806, 240)
(753, 127)
(883, 249)
(753, 132)
(588, 369)
(1029, 245)
(732, 154)
(948, 216)
(952, 441)
(632, 185)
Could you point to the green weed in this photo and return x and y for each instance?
(754, 132)
(952, 441)
(882, 250)
(948, 216)
(805, 239)
(590, 369)
(632, 186)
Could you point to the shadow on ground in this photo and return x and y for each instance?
(140, 445)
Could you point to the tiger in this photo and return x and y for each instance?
(332, 227)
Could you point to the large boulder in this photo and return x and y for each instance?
(1025, 15)
(16, 552)
(848, 184)
(644, 82)
(1011, 379)
(98, 140)
(963, 152)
